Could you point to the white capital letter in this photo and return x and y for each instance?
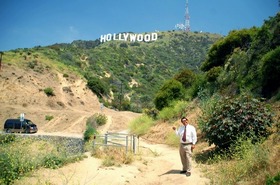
(125, 35)
(120, 36)
(147, 38)
(109, 37)
(132, 37)
(102, 38)
(154, 36)
(139, 37)
(114, 37)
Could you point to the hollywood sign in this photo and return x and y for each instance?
(129, 37)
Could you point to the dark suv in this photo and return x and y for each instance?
(15, 125)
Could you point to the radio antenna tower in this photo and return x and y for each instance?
(186, 26)
(187, 18)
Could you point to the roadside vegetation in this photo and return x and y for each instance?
(21, 156)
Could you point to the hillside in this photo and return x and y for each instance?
(129, 72)
(22, 91)
(23, 78)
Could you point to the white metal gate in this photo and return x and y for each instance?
(129, 141)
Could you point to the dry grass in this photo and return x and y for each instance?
(250, 167)
(113, 156)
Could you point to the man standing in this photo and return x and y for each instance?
(188, 138)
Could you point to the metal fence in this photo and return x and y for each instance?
(128, 141)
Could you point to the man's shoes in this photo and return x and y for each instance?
(182, 172)
(188, 174)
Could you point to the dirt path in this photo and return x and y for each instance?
(160, 166)
(156, 164)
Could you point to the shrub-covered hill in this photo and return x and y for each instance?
(125, 74)
(247, 60)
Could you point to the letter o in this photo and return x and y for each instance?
(140, 37)
(147, 38)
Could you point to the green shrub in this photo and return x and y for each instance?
(273, 180)
(213, 74)
(123, 45)
(228, 118)
(101, 119)
(92, 123)
(48, 117)
(176, 110)
(186, 77)
(97, 119)
(153, 112)
(141, 125)
(65, 75)
(172, 139)
(89, 133)
(167, 114)
(32, 64)
(7, 138)
(8, 173)
(271, 72)
(49, 91)
(97, 86)
(52, 161)
(198, 85)
(172, 90)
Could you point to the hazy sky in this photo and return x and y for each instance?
(29, 23)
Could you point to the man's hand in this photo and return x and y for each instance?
(193, 147)
(174, 128)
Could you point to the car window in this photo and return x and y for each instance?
(29, 122)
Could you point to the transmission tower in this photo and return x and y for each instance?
(186, 26)
(187, 18)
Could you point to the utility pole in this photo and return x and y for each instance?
(1, 53)
(120, 92)
(121, 98)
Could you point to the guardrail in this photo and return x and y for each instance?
(129, 141)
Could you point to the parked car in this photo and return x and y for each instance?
(15, 125)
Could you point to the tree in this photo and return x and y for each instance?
(170, 91)
(186, 77)
(222, 49)
(97, 86)
(271, 72)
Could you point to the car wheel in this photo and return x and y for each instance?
(8, 131)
